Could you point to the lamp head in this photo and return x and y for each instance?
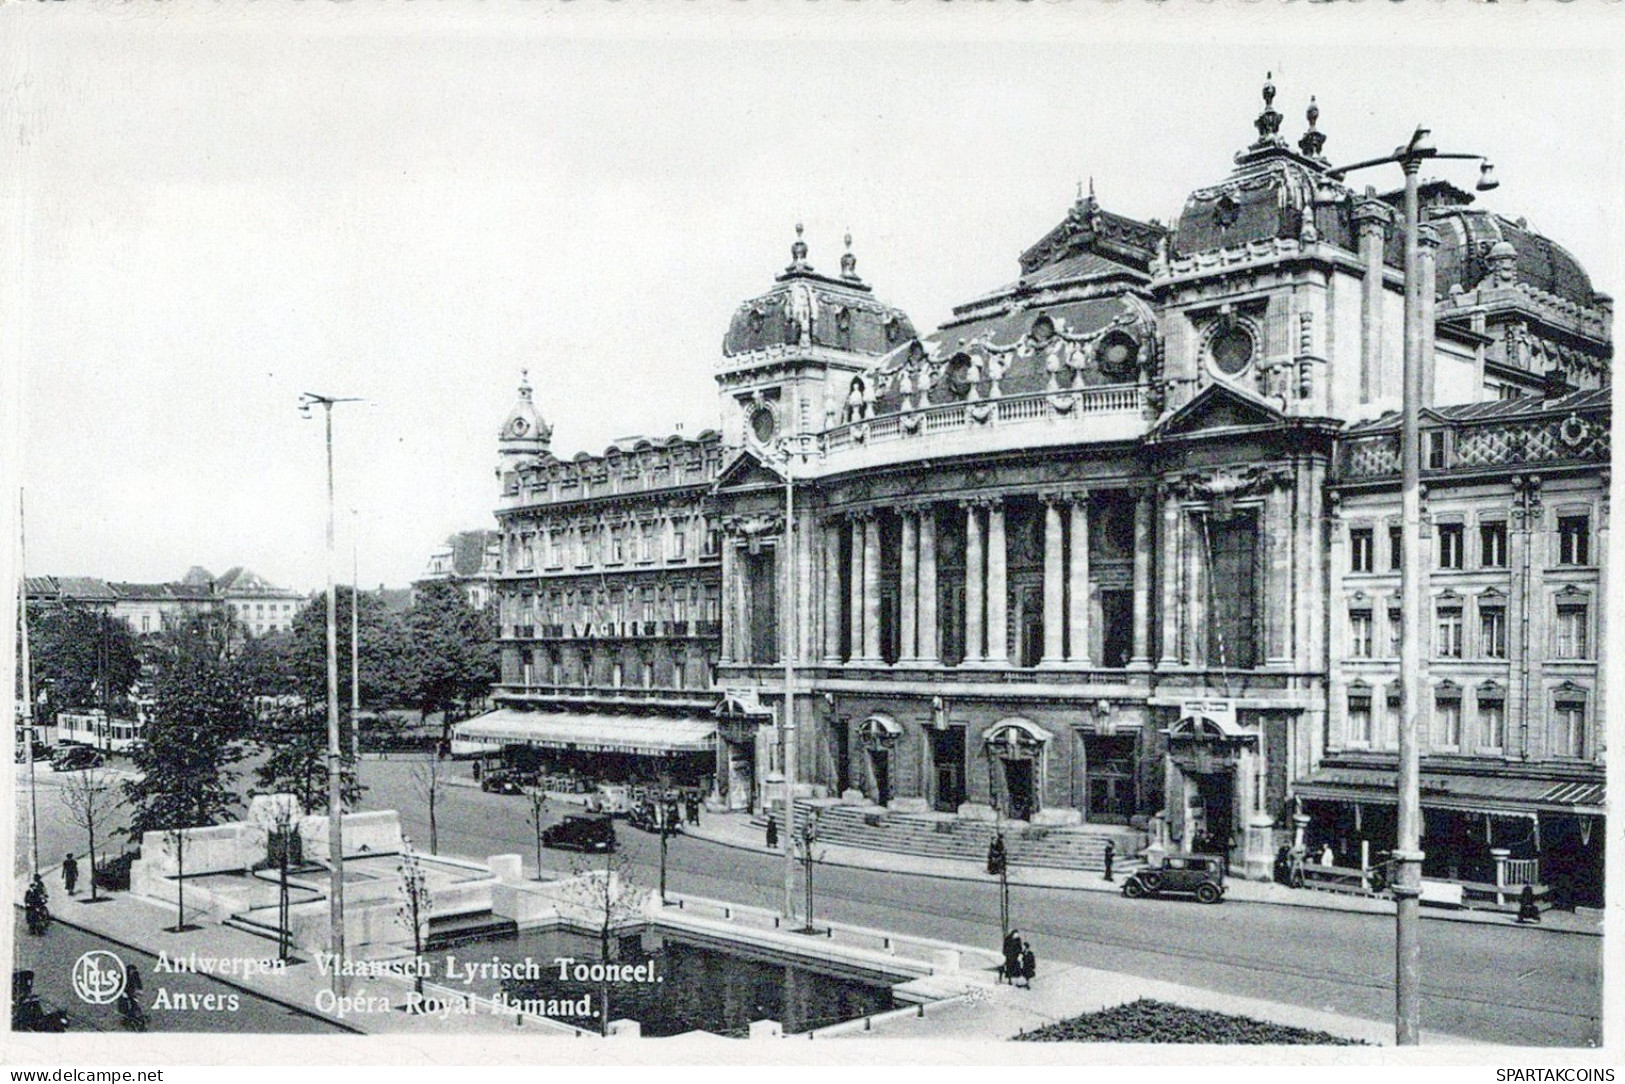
(1486, 177)
(1421, 144)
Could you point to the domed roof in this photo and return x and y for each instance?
(805, 308)
(525, 430)
(1272, 193)
(1470, 241)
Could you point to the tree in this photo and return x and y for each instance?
(454, 651)
(294, 739)
(428, 783)
(91, 797)
(414, 909)
(265, 665)
(536, 817)
(385, 655)
(611, 899)
(283, 848)
(200, 715)
(86, 658)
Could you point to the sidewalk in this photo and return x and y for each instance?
(735, 830)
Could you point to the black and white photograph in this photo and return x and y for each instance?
(562, 531)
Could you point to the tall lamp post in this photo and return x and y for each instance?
(25, 705)
(798, 446)
(335, 753)
(1407, 886)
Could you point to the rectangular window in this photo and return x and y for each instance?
(1566, 736)
(617, 545)
(1396, 633)
(1572, 626)
(1232, 567)
(1574, 540)
(1451, 539)
(1396, 548)
(1492, 632)
(1359, 719)
(1492, 544)
(1492, 723)
(646, 543)
(1390, 722)
(1361, 544)
(1437, 443)
(679, 543)
(1446, 721)
(1447, 644)
(1360, 634)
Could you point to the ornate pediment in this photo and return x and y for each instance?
(746, 471)
(1219, 407)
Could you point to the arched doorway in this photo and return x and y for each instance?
(1015, 754)
(878, 735)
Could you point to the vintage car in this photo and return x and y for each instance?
(501, 783)
(1199, 875)
(73, 758)
(648, 816)
(615, 799)
(577, 833)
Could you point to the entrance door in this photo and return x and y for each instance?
(1216, 795)
(948, 765)
(1109, 777)
(843, 755)
(1020, 785)
(741, 774)
(880, 768)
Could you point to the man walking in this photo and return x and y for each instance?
(1111, 851)
(772, 832)
(1012, 958)
(70, 873)
(1029, 964)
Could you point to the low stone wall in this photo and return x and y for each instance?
(364, 834)
(220, 848)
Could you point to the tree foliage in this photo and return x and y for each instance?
(384, 652)
(82, 653)
(294, 738)
(455, 653)
(200, 718)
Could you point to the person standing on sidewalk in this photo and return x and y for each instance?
(70, 873)
(1029, 964)
(1111, 851)
(1012, 958)
(772, 832)
(1527, 911)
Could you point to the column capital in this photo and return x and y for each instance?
(1427, 239)
(1373, 216)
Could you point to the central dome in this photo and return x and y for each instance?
(808, 309)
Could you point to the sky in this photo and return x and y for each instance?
(212, 209)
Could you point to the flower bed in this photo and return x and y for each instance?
(1147, 1021)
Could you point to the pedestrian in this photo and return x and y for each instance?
(1527, 911)
(1111, 851)
(70, 873)
(1011, 968)
(772, 832)
(1325, 854)
(692, 804)
(1029, 964)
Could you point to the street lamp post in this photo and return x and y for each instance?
(26, 704)
(788, 449)
(1407, 886)
(335, 754)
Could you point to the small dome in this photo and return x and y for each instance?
(525, 430)
(805, 308)
(1472, 242)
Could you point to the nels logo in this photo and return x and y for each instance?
(98, 977)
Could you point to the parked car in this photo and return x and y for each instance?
(577, 833)
(1199, 875)
(42, 753)
(647, 816)
(501, 783)
(74, 758)
(614, 799)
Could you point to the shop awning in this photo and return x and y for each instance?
(1451, 790)
(590, 733)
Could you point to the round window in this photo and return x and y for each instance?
(764, 425)
(1232, 350)
(1118, 355)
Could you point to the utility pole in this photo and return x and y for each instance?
(1407, 885)
(355, 637)
(335, 754)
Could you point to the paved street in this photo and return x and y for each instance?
(1502, 984)
(1499, 984)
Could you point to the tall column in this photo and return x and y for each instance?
(1077, 591)
(854, 585)
(929, 650)
(1170, 574)
(730, 580)
(1427, 248)
(1372, 217)
(908, 589)
(832, 591)
(998, 635)
(973, 583)
(871, 588)
(1054, 585)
